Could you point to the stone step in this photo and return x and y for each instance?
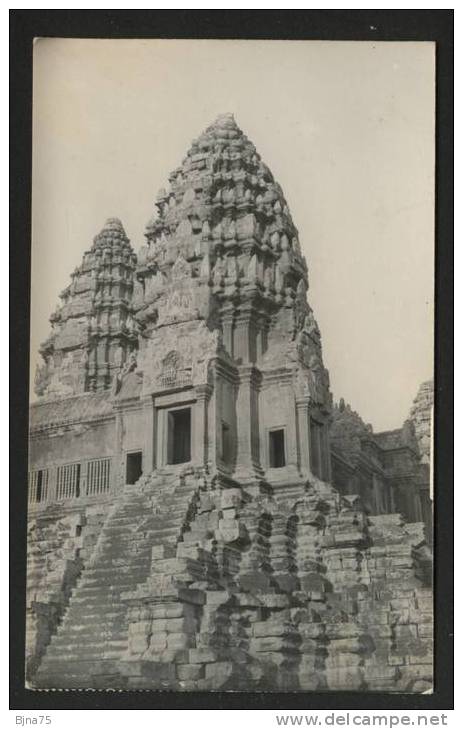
(123, 530)
(86, 654)
(113, 578)
(98, 600)
(110, 551)
(107, 589)
(89, 615)
(110, 648)
(107, 620)
(70, 632)
(82, 602)
(167, 531)
(110, 566)
(128, 520)
(76, 675)
(87, 641)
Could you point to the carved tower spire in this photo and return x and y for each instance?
(93, 329)
(228, 219)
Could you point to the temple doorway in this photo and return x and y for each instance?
(277, 458)
(134, 467)
(179, 436)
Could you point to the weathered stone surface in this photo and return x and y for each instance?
(421, 417)
(228, 561)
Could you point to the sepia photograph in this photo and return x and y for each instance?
(231, 366)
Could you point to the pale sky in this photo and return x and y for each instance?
(347, 129)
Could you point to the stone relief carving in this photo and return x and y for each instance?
(172, 361)
(178, 306)
(310, 325)
(185, 355)
(154, 286)
(41, 379)
(129, 366)
(131, 363)
(219, 272)
(301, 307)
(58, 386)
(311, 377)
(180, 269)
(67, 361)
(173, 370)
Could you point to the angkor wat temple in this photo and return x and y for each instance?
(201, 517)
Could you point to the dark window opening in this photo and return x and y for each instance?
(40, 494)
(134, 467)
(277, 448)
(77, 491)
(226, 444)
(179, 436)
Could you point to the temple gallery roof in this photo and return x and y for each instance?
(77, 408)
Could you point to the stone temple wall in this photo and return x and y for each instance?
(389, 469)
(184, 528)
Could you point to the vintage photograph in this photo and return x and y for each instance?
(232, 326)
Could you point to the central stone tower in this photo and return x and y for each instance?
(220, 297)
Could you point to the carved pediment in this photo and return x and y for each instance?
(179, 356)
(174, 373)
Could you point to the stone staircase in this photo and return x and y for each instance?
(93, 634)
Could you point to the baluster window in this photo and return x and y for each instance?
(68, 481)
(38, 485)
(98, 476)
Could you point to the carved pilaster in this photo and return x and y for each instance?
(247, 408)
(303, 430)
(200, 429)
(227, 328)
(149, 436)
(118, 475)
(245, 336)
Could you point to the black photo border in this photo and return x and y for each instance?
(366, 25)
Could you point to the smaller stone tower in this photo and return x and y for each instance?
(93, 330)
